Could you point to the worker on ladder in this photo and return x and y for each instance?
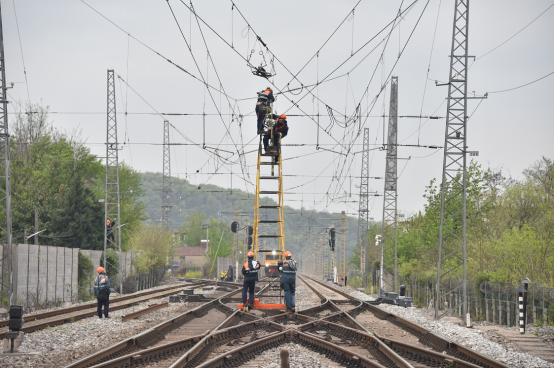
(287, 268)
(280, 127)
(263, 106)
(250, 272)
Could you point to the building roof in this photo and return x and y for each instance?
(190, 251)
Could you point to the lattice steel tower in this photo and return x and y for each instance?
(6, 278)
(363, 212)
(451, 267)
(389, 225)
(166, 183)
(112, 208)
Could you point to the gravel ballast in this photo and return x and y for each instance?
(58, 346)
(471, 338)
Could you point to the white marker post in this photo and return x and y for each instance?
(520, 292)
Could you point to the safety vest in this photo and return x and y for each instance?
(253, 270)
(100, 282)
(263, 96)
(289, 266)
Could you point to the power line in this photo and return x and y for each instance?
(151, 49)
(521, 30)
(21, 48)
(526, 84)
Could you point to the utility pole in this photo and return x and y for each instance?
(452, 233)
(36, 226)
(111, 202)
(363, 212)
(5, 190)
(343, 242)
(389, 225)
(236, 244)
(166, 187)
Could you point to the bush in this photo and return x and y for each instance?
(193, 274)
(85, 276)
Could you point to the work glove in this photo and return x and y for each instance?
(280, 268)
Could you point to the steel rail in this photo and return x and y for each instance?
(143, 357)
(34, 317)
(141, 339)
(142, 312)
(438, 343)
(245, 353)
(419, 355)
(397, 359)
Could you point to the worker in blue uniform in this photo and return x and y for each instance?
(250, 272)
(263, 106)
(287, 268)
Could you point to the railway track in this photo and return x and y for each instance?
(216, 334)
(57, 317)
(407, 339)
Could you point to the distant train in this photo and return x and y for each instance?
(270, 263)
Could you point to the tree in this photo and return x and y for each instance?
(54, 172)
(81, 217)
(152, 244)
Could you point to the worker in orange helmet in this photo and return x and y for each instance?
(280, 128)
(102, 291)
(263, 106)
(250, 272)
(287, 269)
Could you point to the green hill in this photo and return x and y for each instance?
(301, 226)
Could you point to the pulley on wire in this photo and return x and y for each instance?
(261, 71)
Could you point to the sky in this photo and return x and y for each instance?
(348, 48)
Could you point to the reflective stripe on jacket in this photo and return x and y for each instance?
(289, 270)
(265, 97)
(250, 270)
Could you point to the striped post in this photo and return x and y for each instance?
(520, 291)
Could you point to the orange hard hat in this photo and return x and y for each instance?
(250, 254)
(283, 116)
(100, 269)
(288, 254)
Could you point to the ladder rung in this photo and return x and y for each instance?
(270, 207)
(269, 177)
(269, 236)
(269, 192)
(269, 221)
(269, 154)
(269, 163)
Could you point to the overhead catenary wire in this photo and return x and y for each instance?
(518, 32)
(150, 48)
(21, 49)
(524, 85)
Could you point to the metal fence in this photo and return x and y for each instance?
(492, 302)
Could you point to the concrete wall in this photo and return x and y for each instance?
(45, 273)
(52, 272)
(223, 264)
(194, 261)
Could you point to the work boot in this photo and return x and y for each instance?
(251, 306)
(100, 317)
(107, 317)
